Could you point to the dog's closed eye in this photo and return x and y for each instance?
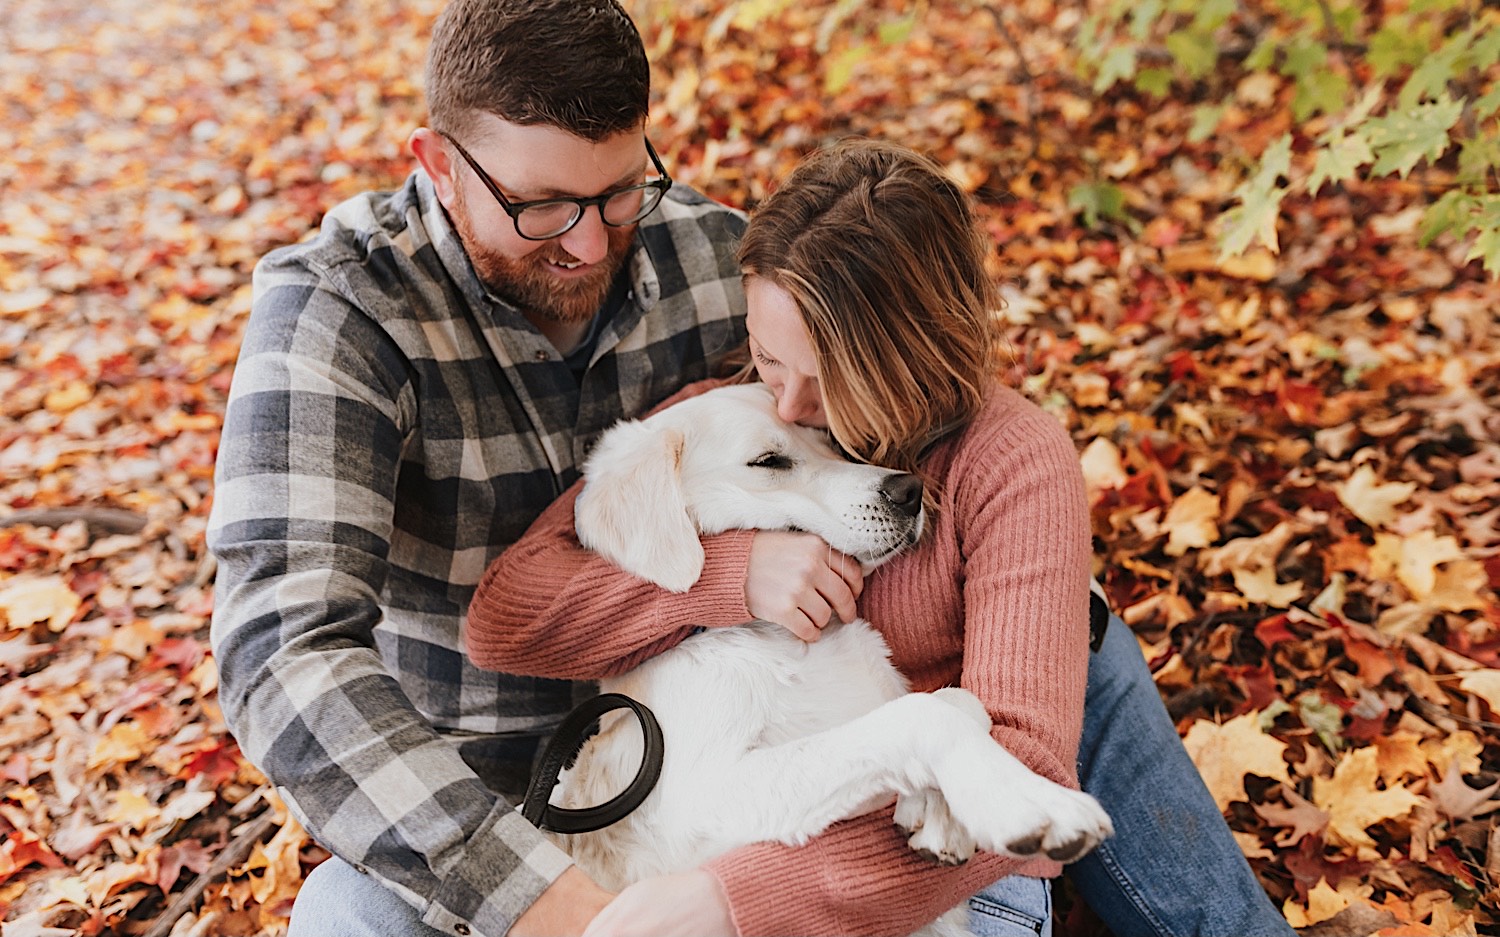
(771, 460)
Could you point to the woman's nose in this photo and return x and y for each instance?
(798, 402)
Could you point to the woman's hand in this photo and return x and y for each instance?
(799, 582)
(689, 904)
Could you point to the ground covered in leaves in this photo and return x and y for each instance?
(1294, 460)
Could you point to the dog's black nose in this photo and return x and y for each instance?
(904, 492)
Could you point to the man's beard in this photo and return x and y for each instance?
(526, 283)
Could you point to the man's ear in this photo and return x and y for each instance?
(632, 509)
(431, 150)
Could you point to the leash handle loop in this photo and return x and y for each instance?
(565, 745)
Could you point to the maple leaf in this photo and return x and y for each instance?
(1369, 500)
(1354, 802)
(1405, 137)
(1301, 815)
(27, 600)
(1254, 219)
(1414, 560)
(1225, 753)
(1323, 902)
(1460, 801)
(1191, 521)
(188, 854)
(1260, 586)
(1102, 467)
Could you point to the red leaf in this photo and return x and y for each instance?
(1271, 631)
(219, 762)
(181, 653)
(189, 854)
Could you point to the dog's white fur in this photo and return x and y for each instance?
(768, 738)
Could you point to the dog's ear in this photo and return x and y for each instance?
(632, 510)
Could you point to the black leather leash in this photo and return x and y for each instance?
(1098, 620)
(565, 745)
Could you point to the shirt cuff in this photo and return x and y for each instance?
(504, 870)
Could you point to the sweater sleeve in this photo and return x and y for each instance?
(549, 607)
(1021, 525)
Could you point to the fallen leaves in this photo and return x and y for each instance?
(1293, 460)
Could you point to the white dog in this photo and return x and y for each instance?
(768, 738)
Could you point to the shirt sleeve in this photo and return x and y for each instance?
(305, 485)
(549, 607)
(1023, 529)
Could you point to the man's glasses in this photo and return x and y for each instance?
(547, 218)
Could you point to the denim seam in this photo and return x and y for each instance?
(1128, 887)
(1118, 873)
(1005, 914)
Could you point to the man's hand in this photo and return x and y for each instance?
(799, 582)
(690, 904)
(565, 908)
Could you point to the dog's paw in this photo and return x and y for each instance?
(1065, 825)
(1024, 815)
(932, 830)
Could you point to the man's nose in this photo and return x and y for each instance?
(587, 240)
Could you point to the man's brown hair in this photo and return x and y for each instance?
(578, 65)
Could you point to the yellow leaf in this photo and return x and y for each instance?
(1484, 684)
(1323, 902)
(132, 810)
(1353, 802)
(1400, 755)
(28, 600)
(124, 743)
(1225, 753)
(1192, 521)
(1414, 560)
(68, 397)
(1248, 552)
(1460, 587)
(1261, 586)
(1102, 467)
(1462, 745)
(1372, 502)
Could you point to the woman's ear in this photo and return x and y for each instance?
(632, 509)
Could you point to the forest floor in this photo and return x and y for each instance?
(1293, 460)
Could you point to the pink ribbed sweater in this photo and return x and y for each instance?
(994, 598)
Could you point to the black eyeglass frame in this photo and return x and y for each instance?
(514, 209)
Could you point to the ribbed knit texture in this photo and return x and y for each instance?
(994, 599)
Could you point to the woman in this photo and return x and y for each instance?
(869, 314)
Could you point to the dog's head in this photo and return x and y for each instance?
(724, 460)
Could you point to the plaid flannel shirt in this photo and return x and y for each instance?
(391, 427)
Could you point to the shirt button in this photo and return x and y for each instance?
(541, 354)
(461, 929)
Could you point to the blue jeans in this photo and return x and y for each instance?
(1172, 869)
(1012, 907)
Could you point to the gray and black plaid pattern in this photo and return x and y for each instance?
(391, 427)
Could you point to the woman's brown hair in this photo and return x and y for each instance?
(880, 251)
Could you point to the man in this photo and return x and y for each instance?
(415, 385)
